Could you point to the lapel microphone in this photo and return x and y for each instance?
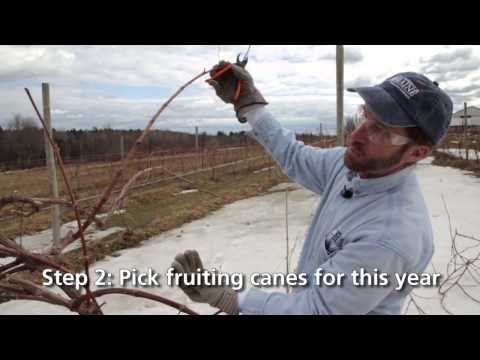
(346, 193)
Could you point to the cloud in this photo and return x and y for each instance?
(448, 57)
(125, 85)
(59, 112)
(136, 65)
(33, 62)
(359, 82)
(458, 66)
(451, 65)
(350, 55)
(447, 77)
(463, 90)
(458, 100)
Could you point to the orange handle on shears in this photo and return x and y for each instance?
(223, 71)
(239, 89)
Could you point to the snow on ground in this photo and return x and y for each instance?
(187, 191)
(461, 194)
(42, 240)
(249, 236)
(462, 153)
(246, 236)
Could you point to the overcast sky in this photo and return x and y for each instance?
(123, 86)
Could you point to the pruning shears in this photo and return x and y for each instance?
(228, 67)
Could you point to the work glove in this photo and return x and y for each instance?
(226, 85)
(221, 297)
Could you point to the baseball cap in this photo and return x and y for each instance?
(410, 100)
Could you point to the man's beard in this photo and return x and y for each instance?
(365, 165)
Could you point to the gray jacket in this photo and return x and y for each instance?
(383, 228)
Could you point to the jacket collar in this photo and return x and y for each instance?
(364, 187)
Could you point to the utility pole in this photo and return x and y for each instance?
(465, 127)
(196, 139)
(320, 134)
(52, 170)
(340, 140)
(122, 147)
(286, 231)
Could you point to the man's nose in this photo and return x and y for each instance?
(360, 135)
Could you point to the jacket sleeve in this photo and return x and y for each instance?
(310, 167)
(323, 300)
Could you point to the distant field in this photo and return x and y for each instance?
(207, 169)
(86, 178)
(154, 208)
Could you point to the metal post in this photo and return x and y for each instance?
(465, 126)
(52, 170)
(286, 231)
(196, 139)
(122, 147)
(340, 140)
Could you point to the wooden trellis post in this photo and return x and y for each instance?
(52, 169)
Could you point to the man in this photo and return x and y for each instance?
(372, 218)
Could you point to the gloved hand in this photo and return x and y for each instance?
(225, 87)
(224, 298)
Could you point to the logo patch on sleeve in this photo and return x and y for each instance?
(334, 241)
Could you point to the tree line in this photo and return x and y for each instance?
(22, 143)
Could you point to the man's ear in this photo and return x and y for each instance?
(417, 153)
